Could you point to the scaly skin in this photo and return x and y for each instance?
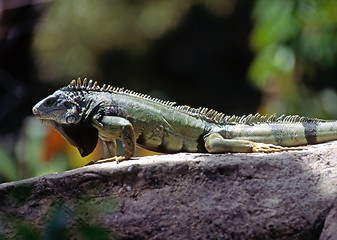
(84, 112)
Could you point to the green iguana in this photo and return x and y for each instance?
(82, 112)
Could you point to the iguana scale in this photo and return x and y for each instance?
(82, 112)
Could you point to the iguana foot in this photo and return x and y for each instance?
(117, 159)
(268, 148)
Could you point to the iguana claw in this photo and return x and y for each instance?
(117, 159)
(268, 148)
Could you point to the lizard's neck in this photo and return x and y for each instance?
(90, 105)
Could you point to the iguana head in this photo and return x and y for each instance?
(60, 107)
(64, 110)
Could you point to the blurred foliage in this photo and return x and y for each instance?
(82, 220)
(73, 34)
(40, 150)
(293, 40)
(26, 160)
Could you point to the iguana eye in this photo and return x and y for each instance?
(49, 102)
(71, 119)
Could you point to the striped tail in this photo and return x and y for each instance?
(308, 131)
(319, 132)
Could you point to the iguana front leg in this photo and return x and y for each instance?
(215, 143)
(109, 148)
(111, 128)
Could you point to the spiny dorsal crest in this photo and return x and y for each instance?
(203, 113)
(93, 86)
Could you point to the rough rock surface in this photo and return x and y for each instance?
(330, 225)
(285, 195)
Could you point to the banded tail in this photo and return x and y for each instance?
(282, 133)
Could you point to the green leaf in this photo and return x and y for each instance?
(7, 169)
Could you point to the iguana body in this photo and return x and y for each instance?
(84, 112)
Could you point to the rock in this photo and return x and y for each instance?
(285, 195)
(330, 225)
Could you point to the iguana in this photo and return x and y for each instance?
(84, 111)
